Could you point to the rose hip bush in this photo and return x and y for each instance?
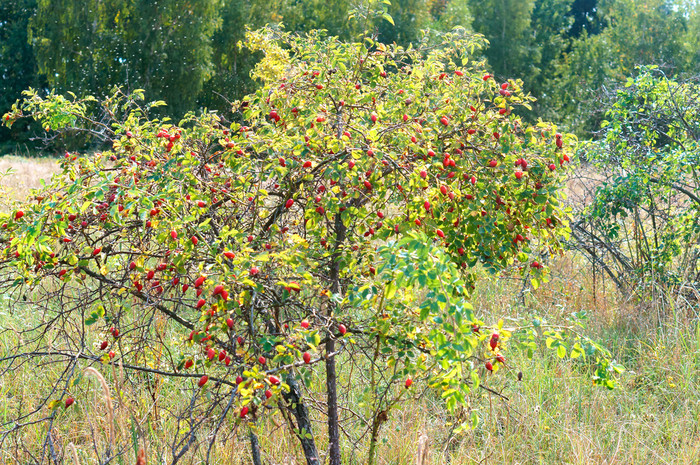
(344, 214)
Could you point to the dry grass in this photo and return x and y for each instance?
(26, 175)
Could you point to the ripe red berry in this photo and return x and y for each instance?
(19, 214)
(104, 345)
(203, 380)
(229, 323)
(244, 412)
(342, 329)
(262, 360)
(268, 394)
(305, 324)
(440, 233)
(289, 203)
(493, 342)
(69, 402)
(408, 383)
(307, 357)
(274, 380)
(489, 366)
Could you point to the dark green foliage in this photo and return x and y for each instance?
(585, 18)
(506, 24)
(163, 46)
(18, 69)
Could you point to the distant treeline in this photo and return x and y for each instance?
(187, 52)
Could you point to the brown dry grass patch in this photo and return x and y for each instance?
(25, 174)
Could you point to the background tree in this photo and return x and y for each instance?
(634, 33)
(507, 25)
(18, 67)
(162, 46)
(448, 14)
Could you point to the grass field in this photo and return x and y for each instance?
(553, 416)
(24, 175)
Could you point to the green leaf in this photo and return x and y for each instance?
(561, 351)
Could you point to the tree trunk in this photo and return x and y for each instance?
(301, 414)
(331, 377)
(331, 387)
(255, 448)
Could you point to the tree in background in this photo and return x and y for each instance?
(446, 14)
(506, 24)
(551, 26)
(163, 46)
(18, 67)
(635, 32)
(585, 18)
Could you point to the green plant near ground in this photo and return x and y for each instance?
(344, 216)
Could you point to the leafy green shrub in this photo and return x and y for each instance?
(642, 225)
(345, 212)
